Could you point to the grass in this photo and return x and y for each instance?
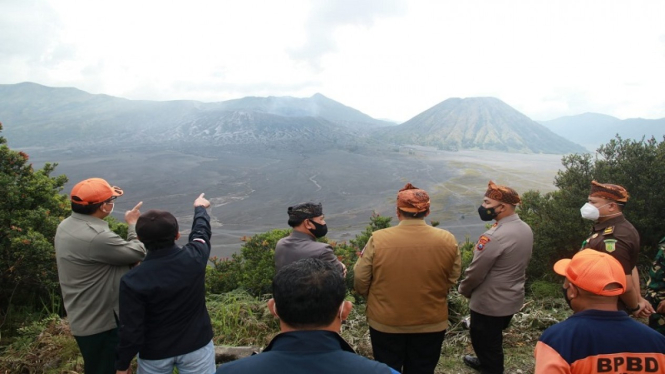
(239, 319)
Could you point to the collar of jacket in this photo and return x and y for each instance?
(88, 218)
(308, 341)
(302, 235)
(162, 252)
(610, 222)
(510, 218)
(410, 222)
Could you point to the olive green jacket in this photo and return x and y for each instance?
(91, 260)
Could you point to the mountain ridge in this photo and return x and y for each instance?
(37, 115)
(483, 123)
(591, 130)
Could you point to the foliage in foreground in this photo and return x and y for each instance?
(240, 319)
(31, 207)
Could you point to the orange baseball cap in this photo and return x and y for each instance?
(593, 271)
(93, 191)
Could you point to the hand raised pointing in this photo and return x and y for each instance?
(202, 201)
(131, 216)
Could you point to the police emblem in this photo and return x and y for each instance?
(482, 241)
(610, 245)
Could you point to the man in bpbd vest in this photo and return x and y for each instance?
(598, 338)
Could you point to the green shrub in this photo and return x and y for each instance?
(31, 207)
(541, 289)
(252, 269)
(239, 319)
(46, 346)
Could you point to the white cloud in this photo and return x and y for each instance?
(390, 59)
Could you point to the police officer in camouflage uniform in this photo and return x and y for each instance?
(656, 289)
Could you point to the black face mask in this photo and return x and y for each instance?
(487, 214)
(319, 230)
(565, 296)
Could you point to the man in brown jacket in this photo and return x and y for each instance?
(406, 272)
(494, 281)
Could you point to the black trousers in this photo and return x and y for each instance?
(408, 353)
(487, 340)
(98, 351)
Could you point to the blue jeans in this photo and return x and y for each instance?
(201, 361)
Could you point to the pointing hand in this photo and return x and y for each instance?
(202, 201)
(131, 216)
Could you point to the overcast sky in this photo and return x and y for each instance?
(390, 59)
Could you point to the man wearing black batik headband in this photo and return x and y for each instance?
(494, 281)
(308, 225)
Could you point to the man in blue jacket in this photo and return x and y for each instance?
(308, 299)
(163, 314)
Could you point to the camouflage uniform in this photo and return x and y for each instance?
(656, 288)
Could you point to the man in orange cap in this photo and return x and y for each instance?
(494, 281)
(598, 338)
(91, 260)
(612, 233)
(406, 272)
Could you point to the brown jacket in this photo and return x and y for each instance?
(406, 272)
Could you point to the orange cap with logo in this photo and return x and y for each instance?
(593, 271)
(93, 191)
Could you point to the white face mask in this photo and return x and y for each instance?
(589, 212)
(112, 207)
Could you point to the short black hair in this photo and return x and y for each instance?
(308, 293)
(157, 229)
(422, 214)
(86, 209)
(295, 222)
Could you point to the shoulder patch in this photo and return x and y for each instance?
(608, 230)
(482, 241)
(610, 245)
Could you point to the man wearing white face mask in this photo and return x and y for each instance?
(91, 260)
(613, 234)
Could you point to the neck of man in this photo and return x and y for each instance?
(604, 303)
(335, 326)
(303, 230)
(99, 213)
(504, 215)
(609, 216)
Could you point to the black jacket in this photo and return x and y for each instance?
(310, 351)
(162, 301)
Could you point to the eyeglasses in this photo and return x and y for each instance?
(110, 200)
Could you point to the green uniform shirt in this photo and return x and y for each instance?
(656, 288)
(617, 237)
(91, 260)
